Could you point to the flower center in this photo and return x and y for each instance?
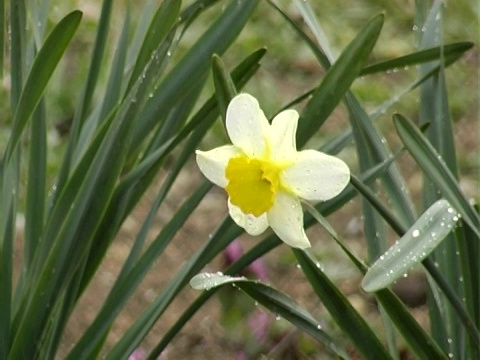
(252, 184)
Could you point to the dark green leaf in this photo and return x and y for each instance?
(451, 51)
(436, 170)
(338, 79)
(43, 66)
(274, 300)
(347, 318)
(224, 86)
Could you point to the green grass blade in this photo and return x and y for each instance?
(9, 176)
(435, 169)
(420, 240)
(144, 20)
(338, 79)
(450, 51)
(384, 211)
(115, 79)
(2, 36)
(224, 86)
(161, 24)
(86, 95)
(43, 66)
(434, 109)
(194, 65)
(417, 339)
(347, 318)
(275, 301)
(93, 73)
(36, 185)
(468, 250)
(469, 247)
(111, 98)
(18, 45)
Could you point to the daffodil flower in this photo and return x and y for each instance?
(265, 176)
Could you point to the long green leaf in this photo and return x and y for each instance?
(224, 86)
(43, 66)
(9, 176)
(451, 51)
(92, 185)
(161, 24)
(347, 318)
(36, 186)
(274, 300)
(338, 79)
(422, 238)
(435, 169)
(93, 73)
(2, 35)
(432, 269)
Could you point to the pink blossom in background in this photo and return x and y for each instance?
(258, 322)
(138, 354)
(259, 269)
(235, 250)
(232, 252)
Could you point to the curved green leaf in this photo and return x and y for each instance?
(274, 300)
(419, 241)
(207, 281)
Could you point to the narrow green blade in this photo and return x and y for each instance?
(450, 51)
(347, 318)
(435, 169)
(43, 66)
(338, 79)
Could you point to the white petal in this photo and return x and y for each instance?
(247, 125)
(252, 225)
(286, 219)
(282, 136)
(213, 163)
(316, 176)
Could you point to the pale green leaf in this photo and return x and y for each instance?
(419, 241)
